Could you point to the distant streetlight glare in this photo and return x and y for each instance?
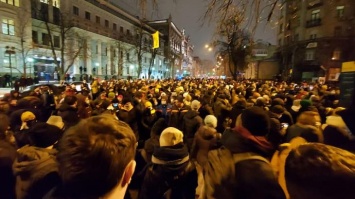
(207, 46)
(209, 49)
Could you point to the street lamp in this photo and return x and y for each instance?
(10, 51)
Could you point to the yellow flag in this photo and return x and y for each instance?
(155, 40)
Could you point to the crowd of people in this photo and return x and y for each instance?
(178, 139)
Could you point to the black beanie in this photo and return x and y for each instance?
(158, 127)
(44, 135)
(256, 120)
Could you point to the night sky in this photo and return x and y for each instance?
(187, 15)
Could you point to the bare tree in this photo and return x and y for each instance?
(121, 49)
(233, 42)
(256, 11)
(141, 45)
(71, 42)
(151, 63)
(25, 37)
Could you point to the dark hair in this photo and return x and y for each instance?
(93, 155)
(318, 171)
(70, 100)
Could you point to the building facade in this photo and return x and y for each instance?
(173, 40)
(263, 63)
(315, 37)
(77, 37)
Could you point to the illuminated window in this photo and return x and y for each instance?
(315, 14)
(56, 3)
(340, 11)
(11, 2)
(8, 27)
(336, 54)
(309, 55)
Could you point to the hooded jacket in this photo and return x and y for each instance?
(172, 175)
(191, 123)
(248, 179)
(36, 172)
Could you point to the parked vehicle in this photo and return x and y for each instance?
(56, 89)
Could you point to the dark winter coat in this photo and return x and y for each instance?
(191, 123)
(206, 139)
(176, 118)
(248, 179)
(170, 180)
(130, 117)
(7, 179)
(36, 172)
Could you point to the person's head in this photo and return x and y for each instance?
(96, 157)
(127, 104)
(319, 171)
(255, 120)
(71, 100)
(44, 135)
(28, 119)
(195, 105)
(103, 95)
(163, 100)
(180, 101)
(211, 121)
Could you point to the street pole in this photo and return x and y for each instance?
(10, 70)
(10, 50)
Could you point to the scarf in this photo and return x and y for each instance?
(172, 155)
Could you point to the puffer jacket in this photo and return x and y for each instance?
(36, 172)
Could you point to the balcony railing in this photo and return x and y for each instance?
(313, 23)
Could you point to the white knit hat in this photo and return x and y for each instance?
(211, 120)
(171, 136)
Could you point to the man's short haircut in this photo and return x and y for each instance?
(93, 155)
(318, 171)
(70, 100)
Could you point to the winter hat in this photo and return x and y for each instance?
(27, 116)
(296, 105)
(256, 121)
(195, 105)
(305, 103)
(148, 104)
(170, 136)
(172, 150)
(277, 101)
(180, 99)
(111, 95)
(44, 135)
(278, 109)
(211, 120)
(159, 127)
(56, 121)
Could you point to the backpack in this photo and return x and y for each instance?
(221, 169)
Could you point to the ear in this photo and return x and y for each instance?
(128, 173)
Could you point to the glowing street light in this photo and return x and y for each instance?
(207, 46)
